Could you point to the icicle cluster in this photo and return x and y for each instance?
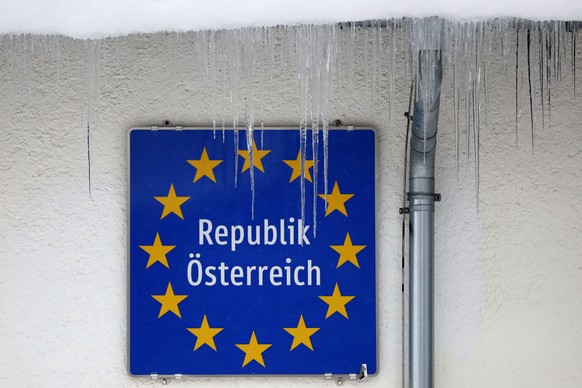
(235, 68)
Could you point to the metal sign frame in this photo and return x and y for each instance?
(236, 285)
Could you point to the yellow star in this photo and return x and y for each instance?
(296, 166)
(347, 252)
(205, 334)
(257, 156)
(172, 203)
(157, 252)
(336, 302)
(169, 301)
(253, 350)
(336, 201)
(204, 166)
(301, 334)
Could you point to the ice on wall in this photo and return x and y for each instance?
(234, 67)
(101, 18)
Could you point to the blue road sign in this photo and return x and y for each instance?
(224, 284)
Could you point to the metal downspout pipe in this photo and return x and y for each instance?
(421, 199)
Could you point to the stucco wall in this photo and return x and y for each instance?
(508, 275)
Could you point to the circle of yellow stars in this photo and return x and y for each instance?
(205, 333)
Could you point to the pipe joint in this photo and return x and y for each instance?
(422, 185)
(422, 207)
(423, 145)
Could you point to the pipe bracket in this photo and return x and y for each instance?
(436, 196)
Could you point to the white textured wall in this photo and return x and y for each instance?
(508, 277)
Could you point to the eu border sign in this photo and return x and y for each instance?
(229, 280)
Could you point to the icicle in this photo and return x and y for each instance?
(477, 108)
(249, 124)
(457, 98)
(91, 75)
(234, 70)
(302, 43)
(259, 71)
(367, 65)
(57, 55)
(315, 59)
(574, 37)
(426, 98)
(334, 64)
(376, 44)
(531, 106)
(517, 109)
(214, 74)
(92, 86)
(350, 57)
(542, 73)
(212, 65)
(558, 51)
(468, 89)
(488, 48)
(248, 70)
(549, 73)
(331, 59)
(325, 161)
(504, 27)
(239, 66)
(316, 99)
(200, 51)
(314, 174)
(225, 95)
(391, 67)
(271, 42)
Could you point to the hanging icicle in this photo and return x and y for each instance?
(92, 85)
(236, 69)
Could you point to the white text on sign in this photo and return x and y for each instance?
(284, 233)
